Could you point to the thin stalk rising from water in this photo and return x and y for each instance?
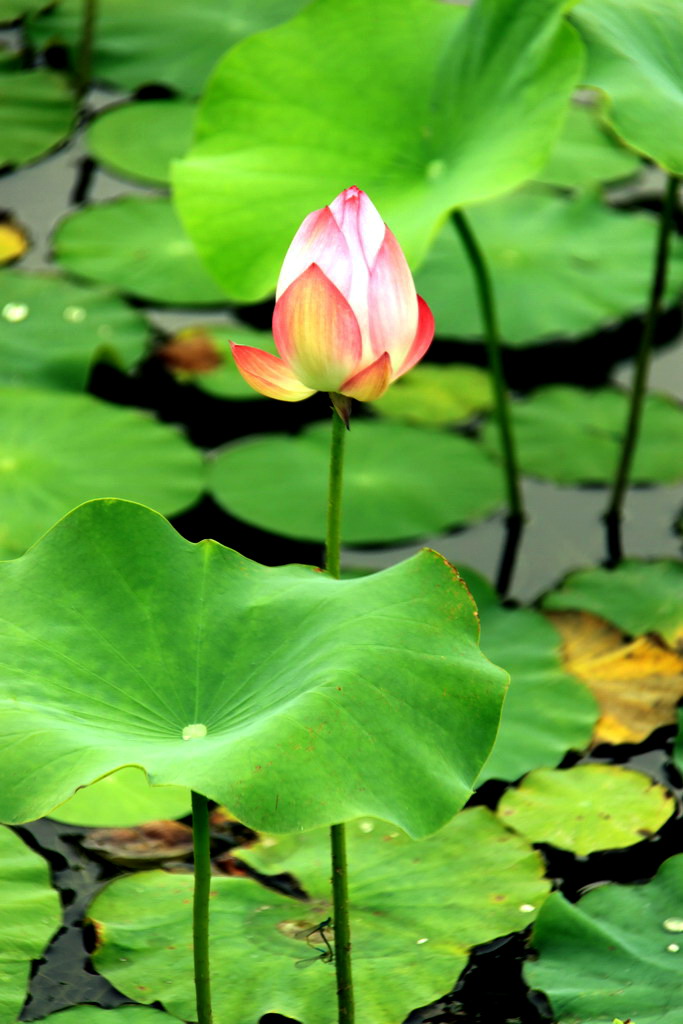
(83, 70)
(200, 908)
(340, 888)
(613, 514)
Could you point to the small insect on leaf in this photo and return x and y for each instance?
(324, 953)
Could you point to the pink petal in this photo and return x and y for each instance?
(371, 382)
(268, 374)
(361, 224)
(392, 302)
(320, 241)
(422, 340)
(316, 332)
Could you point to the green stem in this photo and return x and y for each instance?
(340, 888)
(492, 338)
(85, 48)
(614, 510)
(200, 909)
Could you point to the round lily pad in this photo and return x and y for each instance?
(561, 268)
(396, 482)
(13, 241)
(572, 436)
(124, 644)
(639, 597)
(412, 925)
(587, 808)
(437, 396)
(425, 106)
(59, 449)
(201, 355)
(30, 914)
(547, 711)
(585, 154)
(617, 951)
(121, 800)
(139, 140)
(52, 331)
(159, 43)
(37, 113)
(634, 60)
(119, 1015)
(136, 245)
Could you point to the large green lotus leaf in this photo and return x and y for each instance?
(634, 58)
(52, 331)
(195, 344)
(638, 597)
(399, 482)
(587, 808)
(119, 1015)
(616, 952)
(294, 699)
(560, 267)
(416, 910)
(10, 10)
(174, 44)
(136, 245)
(37, 112)
(139, 140)
(426, 106)
(585, 155)
(547, 711)
(29, 916)
(571, 436)
(436, 395)
(122, 800)
(59, 449)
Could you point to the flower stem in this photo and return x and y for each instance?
(340, 888)
(83, 69)
(200, 909)
(614, 510)
(492, 338)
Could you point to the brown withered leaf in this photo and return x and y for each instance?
(191, 351)
(144, 845)
(637, 682)
(13, 241)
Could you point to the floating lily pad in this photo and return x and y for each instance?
(13, 241)
(547, 711)
(159, 653)
(59, 449)
(11, 10)
(561, 268)
(634, 60)
(572, 436)
(637, 683)
(201, 355)
(119, 1015)
(139, 140)
(426, 106)
(122, 799)
(639, 597)
(412, 924)
(136, 245)
(585, 154)
(159, 43)
(617, 951)
(437, 396)
(52, 331)
(399, 482)
(587, 808)
(37, 112)
(29, 916)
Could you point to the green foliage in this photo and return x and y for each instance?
(121, 800)
(393, 482)
(437, 396)
(136, 245)
(585, 154)
(425, 106)
(139, 140)
(53, 330)
(617, 950)
(37, 112)
(412, 927)
(561, 268)
(29, 916)
(255, 686)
